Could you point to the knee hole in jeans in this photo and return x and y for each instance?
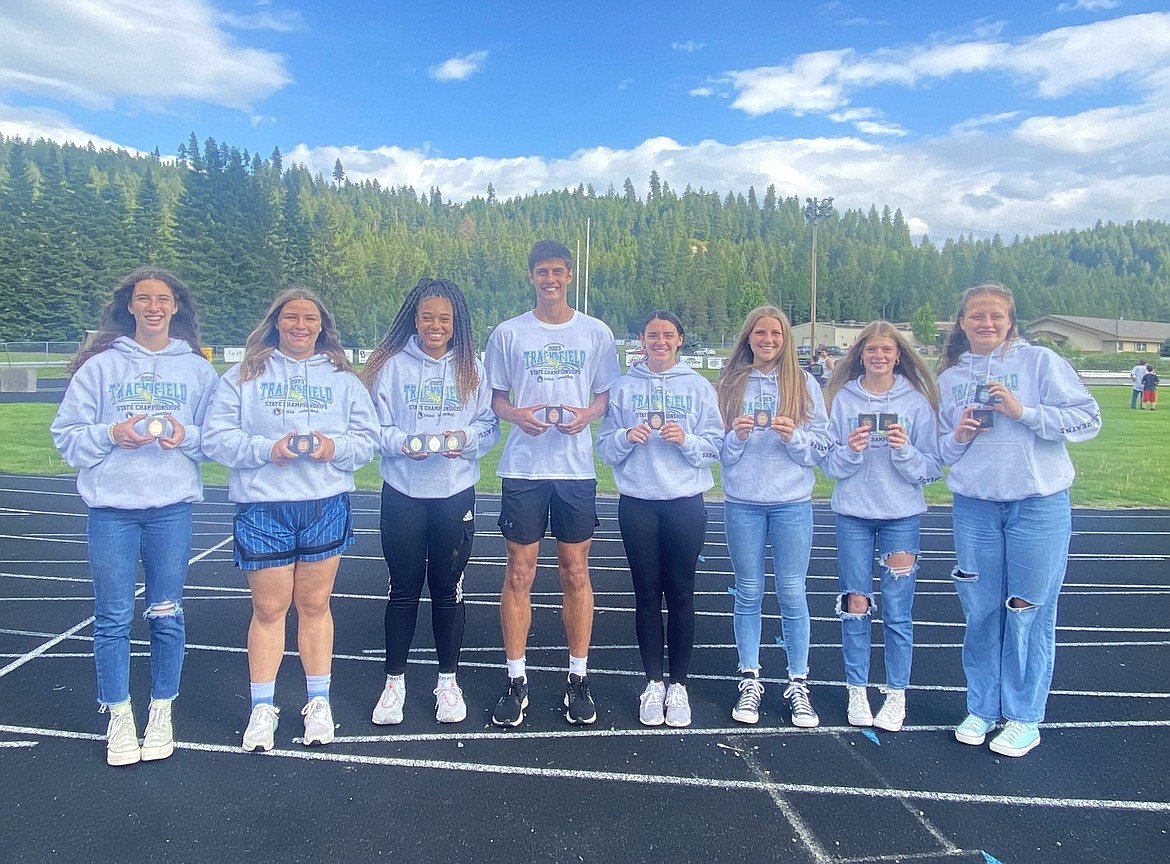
(900, 563)
(850, 605)
(960, 576)
(163, 609)
(1019, 604)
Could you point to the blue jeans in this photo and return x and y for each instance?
(1010, 550)
(788, 527)
(1137, 397)
(856, 539)
(161, 538)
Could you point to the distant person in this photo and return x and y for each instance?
(776, 431)
(435, 410)
(661, 433)
(550, 370)
(292, 423)
(1136, 375)
(1150, 387)
(130, 422)
(1007, 410)
(882, 404)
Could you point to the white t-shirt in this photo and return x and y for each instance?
(1137, 373)
(551, 364)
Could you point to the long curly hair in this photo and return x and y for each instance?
(793, 400)
(462, 344)
(116, 319)
(957, 342)
(265, 339)
(910, 365)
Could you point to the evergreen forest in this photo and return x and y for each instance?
(237, 227)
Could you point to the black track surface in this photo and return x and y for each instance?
(1096, 789)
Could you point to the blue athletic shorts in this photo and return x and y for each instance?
(278, 533)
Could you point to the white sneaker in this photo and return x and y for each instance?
(159, 740)
(650, 704)
(122, 736)
(388, 711)
(859, 710)
(678, 706)
(449, 704)
(261, 727)
(893, 711)
(318, 722)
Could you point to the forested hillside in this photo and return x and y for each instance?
(237, 226)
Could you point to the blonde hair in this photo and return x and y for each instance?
(262, 341)
(910, 365)
(793, 399)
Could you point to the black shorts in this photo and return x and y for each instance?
(525, 507)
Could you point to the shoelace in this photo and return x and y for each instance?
(750, 692)
(676, 697)
(651, 696)
(156, 722)
(450, 695)
(122, 732)
(314, 710)
(798, 692)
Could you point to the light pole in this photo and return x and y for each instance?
(815, 210)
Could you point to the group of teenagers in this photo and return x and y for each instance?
(292, 422)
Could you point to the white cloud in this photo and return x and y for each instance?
(1058, 63)
(690, 46)
(459, 68)
(880, 127)
(280, 21)
(1089, 6)
(981, 182)
(702, 91)
(96, 52)
(33, 123)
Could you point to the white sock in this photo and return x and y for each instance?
(516, 668)
(577, 665)
(446, 679)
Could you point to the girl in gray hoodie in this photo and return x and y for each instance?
(882, 402)
(435, 411)
(130, 422)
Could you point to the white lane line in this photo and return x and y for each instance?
(76, 628)
(6, 745)
(703, 783)
(804, 833)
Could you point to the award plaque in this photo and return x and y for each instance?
(984, 396)
(763, 418)
(885, 421)
(156, 426)
(656, 420)
(869, 420)
(453, 443)
(416, 443)
(985, 416)
(554, 414)
(302, 445)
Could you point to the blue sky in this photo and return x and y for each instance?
(1009, 117)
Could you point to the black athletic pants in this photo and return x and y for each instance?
(426, 538)
(663, 540)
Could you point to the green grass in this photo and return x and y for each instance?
(1124, 466)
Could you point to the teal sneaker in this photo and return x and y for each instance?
(1016, 739)
(973, 730)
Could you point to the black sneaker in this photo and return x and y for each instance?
(579, 707)
(509, 711)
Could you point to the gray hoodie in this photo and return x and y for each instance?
(764, 469)
(246, 420)
(1022, 458)
(124, 380)
(882, 482)
(660, 470)
(415, 393)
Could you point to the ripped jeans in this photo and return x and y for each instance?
(118, 539)
(1010, 550)
(856, 540)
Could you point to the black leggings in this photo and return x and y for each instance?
(663, 540)
(426, 538)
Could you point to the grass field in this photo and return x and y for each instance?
(1124, 466)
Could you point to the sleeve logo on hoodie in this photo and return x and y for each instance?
(431, 398)
(295, 395)
(147, 393)
(554, 362)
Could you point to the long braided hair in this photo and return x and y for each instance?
(262, 341)
(116, 319)
(405, 326)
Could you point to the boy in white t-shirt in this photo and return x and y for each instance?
(550, 371)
